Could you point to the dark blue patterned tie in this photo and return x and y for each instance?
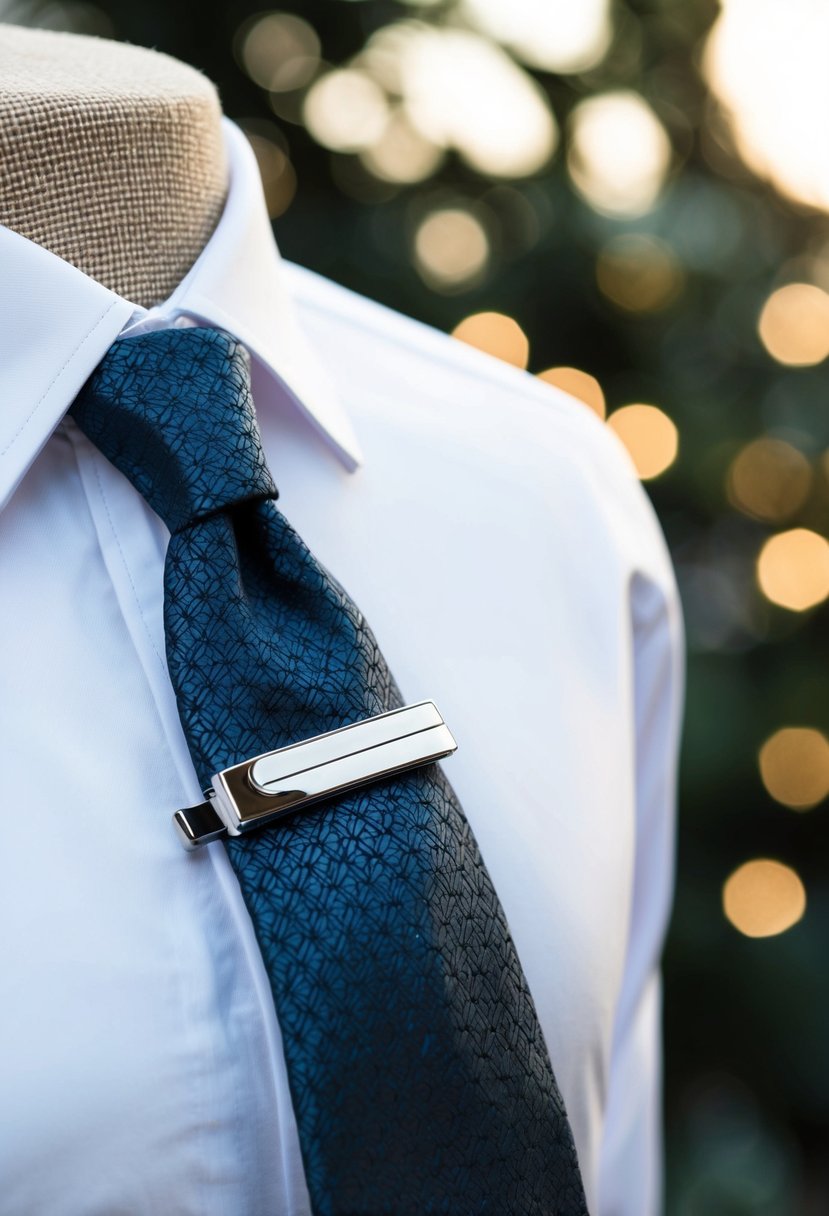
(418, 1072)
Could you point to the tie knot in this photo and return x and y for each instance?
(173, 411)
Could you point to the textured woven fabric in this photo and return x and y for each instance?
(111, 156)
(419, 1075)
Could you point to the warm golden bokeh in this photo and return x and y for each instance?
(497, 334)
(767, 65)
(401, 154)
(794, 325)
(794, 765)
(639, 273)
(279, 51)
(793, 569)
(763, 898)
(451, 248)
(769, 479)
(578, 384)
(649, 435)
(619, 153)
(278, 176)
(462, 91)
(346, 110)
(554, 35)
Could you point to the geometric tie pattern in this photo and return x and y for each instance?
(418, 1072)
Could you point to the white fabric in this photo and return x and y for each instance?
(498, 541)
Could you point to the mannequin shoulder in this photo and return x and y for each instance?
(473, 426)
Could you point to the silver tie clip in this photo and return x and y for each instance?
(256, 792)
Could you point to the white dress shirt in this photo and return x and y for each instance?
(496, 537)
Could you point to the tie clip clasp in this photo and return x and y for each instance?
(258, 791)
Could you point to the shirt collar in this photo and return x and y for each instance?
(56, 324)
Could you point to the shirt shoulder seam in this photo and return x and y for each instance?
(464, 359)
(568, 413)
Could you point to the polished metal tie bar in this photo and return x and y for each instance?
(263, 789)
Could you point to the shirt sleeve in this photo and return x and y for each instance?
(630, 1167)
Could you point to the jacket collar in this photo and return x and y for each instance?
(56, 324)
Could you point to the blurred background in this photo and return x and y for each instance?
(629, 199)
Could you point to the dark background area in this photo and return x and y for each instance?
(669, 317)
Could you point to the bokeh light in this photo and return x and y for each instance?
(794, 766)
(554, 35)
(619, 153)
(497, 334)
(763, 898)
(769, 479)
(794, 324)
(402, 153)
(649, 435)
(639, 273)
(578, 384)
(279, 51)
(451, 248)
(277, 172)
(460, 91)
(793, 569)
(346, 110)
(767, 65)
